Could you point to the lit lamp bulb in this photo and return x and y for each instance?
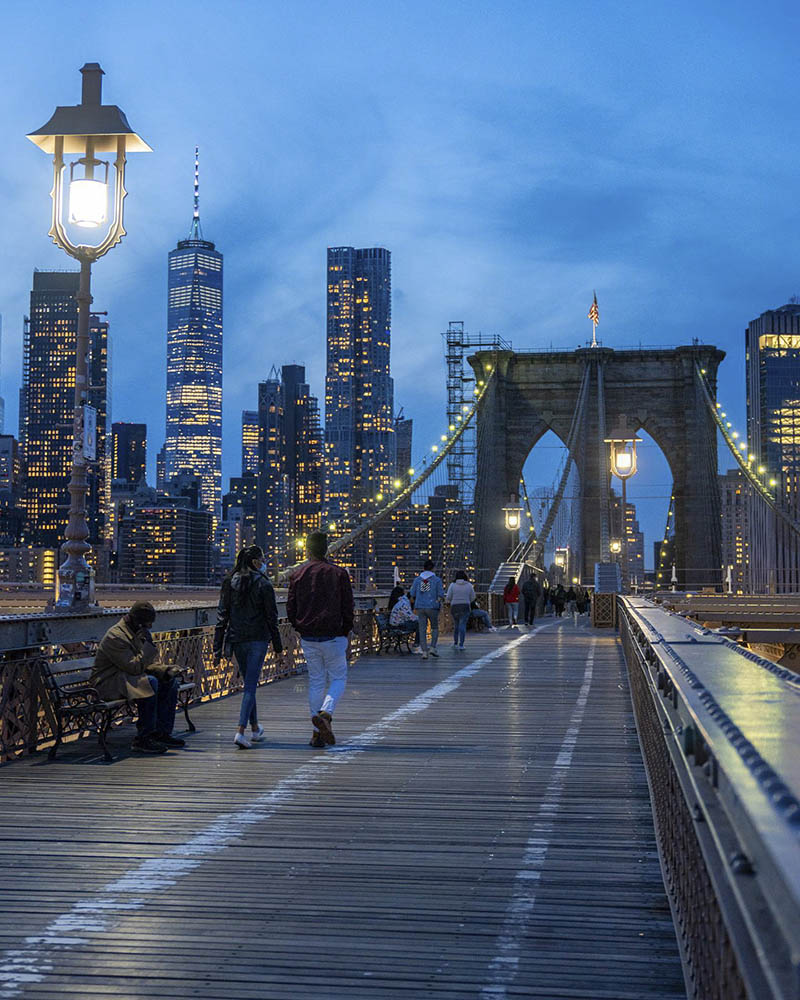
(623, 461)
(88, 203)
(411, 472)
(397, 484)
(615, 546)
(88, 197)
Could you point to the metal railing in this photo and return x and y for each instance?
(727, 822)
(184, 636)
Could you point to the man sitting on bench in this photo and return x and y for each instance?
(126, 667)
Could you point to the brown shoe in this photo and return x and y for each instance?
(322, 720)
(316, 740)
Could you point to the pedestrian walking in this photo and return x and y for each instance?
(531, 592)
(572, 604)
(320, 608)
(427, 594)
(511, 601)
(559, 600)
(247, 619)
(460, 595)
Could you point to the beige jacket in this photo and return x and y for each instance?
(121, 662)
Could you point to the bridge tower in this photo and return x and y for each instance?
(655, 390)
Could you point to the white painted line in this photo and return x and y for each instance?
(504, 966)
(33, 962)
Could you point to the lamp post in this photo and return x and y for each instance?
(513, 519)
(623, 466)
(87, 129)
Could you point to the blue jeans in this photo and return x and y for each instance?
(157, 714)
(250, 659)
(460, 613)
(482, 616)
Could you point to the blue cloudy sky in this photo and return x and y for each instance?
(513, 157)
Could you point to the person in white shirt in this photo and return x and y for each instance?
(460, 595)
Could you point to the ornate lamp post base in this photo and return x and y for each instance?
(74, 587)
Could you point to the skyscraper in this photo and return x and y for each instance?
(772, 346)
(2, 401)
(359, 393)
(47, 406)
(128, 452)
(289, 488)
(194, 362)
(249, 442)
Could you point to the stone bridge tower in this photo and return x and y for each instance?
(654, 390)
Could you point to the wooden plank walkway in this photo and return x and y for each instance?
(482, 829)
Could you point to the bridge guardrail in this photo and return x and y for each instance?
(184, 635)
(719, 729)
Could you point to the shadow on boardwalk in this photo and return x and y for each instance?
(489, 836)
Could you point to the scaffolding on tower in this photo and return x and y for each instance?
(462, 460)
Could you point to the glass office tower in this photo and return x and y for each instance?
(772, 344)
(359, 392)
(194, 364)
(47, 405)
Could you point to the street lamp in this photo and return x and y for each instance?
(623, 466)
(615, 546)
(86, 130)
(513, 520)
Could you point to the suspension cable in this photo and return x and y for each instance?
(750, 476)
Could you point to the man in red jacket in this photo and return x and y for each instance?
(320, 608)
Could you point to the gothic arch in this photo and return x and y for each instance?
(658, 390)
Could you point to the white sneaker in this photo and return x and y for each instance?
(257, 735)
(416, 651)
(242, 742)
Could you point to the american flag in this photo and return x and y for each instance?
(594, 314)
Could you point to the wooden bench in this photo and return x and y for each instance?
(391, 637)
(74, 699)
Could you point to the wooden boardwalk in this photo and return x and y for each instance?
(482, 829)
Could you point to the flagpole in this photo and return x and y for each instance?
(594, 316)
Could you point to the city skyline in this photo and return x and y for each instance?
(506, 187)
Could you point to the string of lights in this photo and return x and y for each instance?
(744, 459)
(663, 552)
(404, 488)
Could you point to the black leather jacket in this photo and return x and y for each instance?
(247, 612)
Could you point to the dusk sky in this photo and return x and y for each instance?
(512, 160)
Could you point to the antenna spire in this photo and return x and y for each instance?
(196, 232)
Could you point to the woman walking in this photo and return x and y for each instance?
(460, 595)
(247, 618)
(511, 601)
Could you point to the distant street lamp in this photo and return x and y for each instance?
(623, 466)
(86, 129)
(513, 520)
(615, 546)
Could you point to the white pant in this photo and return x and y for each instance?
(327, 662)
